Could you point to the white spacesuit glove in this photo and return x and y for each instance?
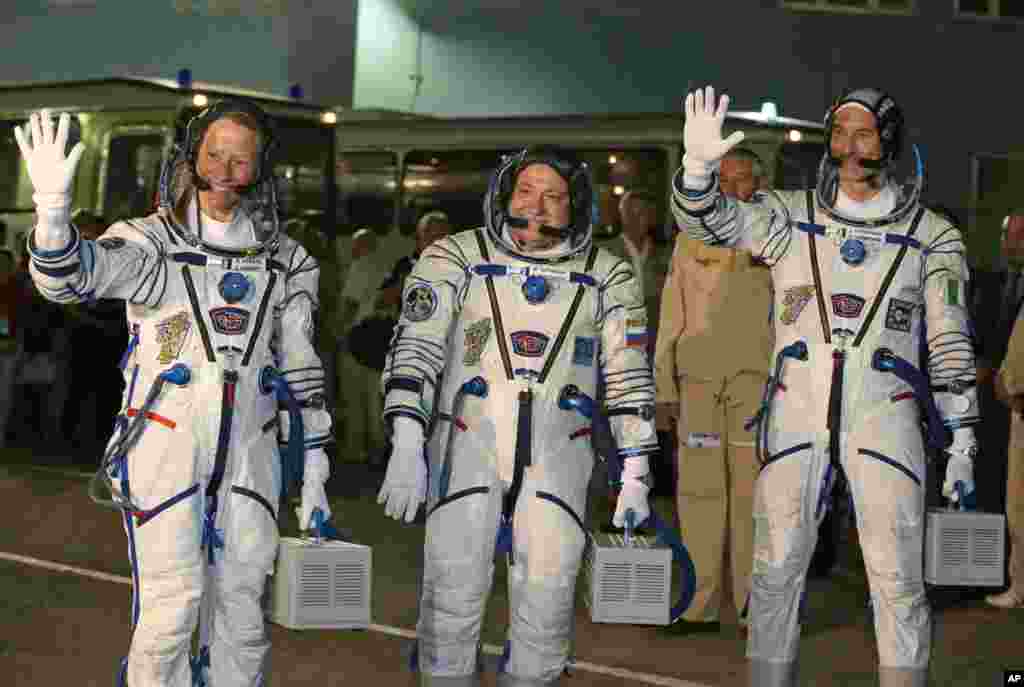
(405, 483)
(635, 486)
(702, 136)
(51, 174)
(960, 467)
(314, 475)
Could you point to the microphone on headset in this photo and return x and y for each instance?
(545, 229)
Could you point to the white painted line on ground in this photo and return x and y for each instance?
(492, 649)
(60, 567)
(56, 471)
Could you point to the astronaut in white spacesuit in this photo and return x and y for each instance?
(220, 307)
(497, 324)
(861, 272)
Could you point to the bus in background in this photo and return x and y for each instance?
(392, 168)
(128, 125)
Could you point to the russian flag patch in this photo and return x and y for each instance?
(636, 333)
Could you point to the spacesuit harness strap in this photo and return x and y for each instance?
(235, 262)
(904, 241)
(499, 326)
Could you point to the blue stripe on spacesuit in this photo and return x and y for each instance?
(547, 496)
(197, 313)
(886, 459)
(145, 516)
(51, 256)
(260, 315)
(894, 239)
(493, 270)
(458, 495)
(134, 561)
(785, 452)
(63, 271)
(255, 496)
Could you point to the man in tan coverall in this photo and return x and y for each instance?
(1009, 388)
(711, 363)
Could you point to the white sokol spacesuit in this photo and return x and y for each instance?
(504, 452)
(860, 284)
(194, 461)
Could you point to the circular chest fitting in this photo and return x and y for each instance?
(234, 287)
(853, 252)
(536, 289)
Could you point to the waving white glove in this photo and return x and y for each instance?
(51, 174)
(405, 483)
(634, 491)
(960, 467)
(314, 475)
(702, 136)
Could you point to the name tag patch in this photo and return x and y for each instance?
(703, 439)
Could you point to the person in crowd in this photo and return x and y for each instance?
(9, 349)
(99, 335)
(711, 363)
(1009, 389)
(359, 399)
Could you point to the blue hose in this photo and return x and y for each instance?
(571, 398)
(293, 457)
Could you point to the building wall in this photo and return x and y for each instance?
(249, 43)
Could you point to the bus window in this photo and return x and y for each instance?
(796, 166)
(133, 174)
(615, 173)
(456, 181)
(301, 159)
(15, 189)
(367, 185)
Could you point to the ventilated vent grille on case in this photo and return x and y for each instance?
(349, 584)
(650, 584)
(615, 582)
(315, 585)
(955, 546)
(987, 550)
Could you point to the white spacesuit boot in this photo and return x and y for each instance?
(539, 632)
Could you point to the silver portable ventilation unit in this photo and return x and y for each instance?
(964, 548)
(321, 585)
(628, 581)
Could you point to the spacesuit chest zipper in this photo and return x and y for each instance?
(523, 458)
(212, 537)
(835, 405)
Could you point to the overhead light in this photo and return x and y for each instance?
(200, 100)
(329, 117)
(618, 190)
(769, 111)
(612, 159)
(795, 136)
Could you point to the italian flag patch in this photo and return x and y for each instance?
(953, 292)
